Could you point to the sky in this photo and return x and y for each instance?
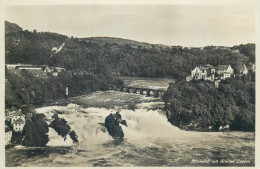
(174, 24)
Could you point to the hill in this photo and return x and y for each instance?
(118, 41)
(12, 27)
(199, 105)
(118, 56)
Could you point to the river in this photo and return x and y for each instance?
(150, 140)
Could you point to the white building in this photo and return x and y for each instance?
(244, 70)
(8, 137)
(9, 113)
(226, 75)
(44, 68)
(67, 91)
(225, 69)
(18, 115)
(209, 72)
(253, 67)
(13, 66)
(18, 121)
(59, 69)
(206, 72)
(18, 125)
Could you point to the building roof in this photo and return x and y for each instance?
(223, 67)
(31, 66)
(197, 68)
(19, 121)
(210, 66)
(19, 113)
(12, 108)
(59, 68)
(243, 67)
(226, 73)
(38, 72)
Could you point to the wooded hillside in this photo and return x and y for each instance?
(118, 56)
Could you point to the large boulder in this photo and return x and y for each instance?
(61, 126)
(112, 122)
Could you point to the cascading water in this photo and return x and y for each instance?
(150, 140)
(85, 122)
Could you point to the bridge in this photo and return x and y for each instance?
(156, 93)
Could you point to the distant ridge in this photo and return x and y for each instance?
(120, 41)
(111, 40)
(120, 56)
(12, 27)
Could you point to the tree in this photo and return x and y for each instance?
(200, 103)
(35, 131)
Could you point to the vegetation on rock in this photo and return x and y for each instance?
(112, 122)
(35, 131)
(61, 126)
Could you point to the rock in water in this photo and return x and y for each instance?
(124, 123)
(61, 126)
(112, 124)
(74, 136)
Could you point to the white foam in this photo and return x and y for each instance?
(141, 124)
(57, 140)
(85, 122)
(144, 123)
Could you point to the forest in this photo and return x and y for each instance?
(117, 56)
(200, 104)
(23, 88)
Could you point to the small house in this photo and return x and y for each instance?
(46, 69)
(225, 69)
(206, 72)
(253, 67)
(59, 69)
(18, 121)
(8, 137)
(18, 125)
(18, 115)
(244, 70)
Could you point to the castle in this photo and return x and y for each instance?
(209, 72)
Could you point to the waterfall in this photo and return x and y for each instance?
(141, 123)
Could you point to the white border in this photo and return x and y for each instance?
(4, 3)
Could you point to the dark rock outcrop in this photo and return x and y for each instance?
(35, 131)
(62, 128)
(112, 124)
